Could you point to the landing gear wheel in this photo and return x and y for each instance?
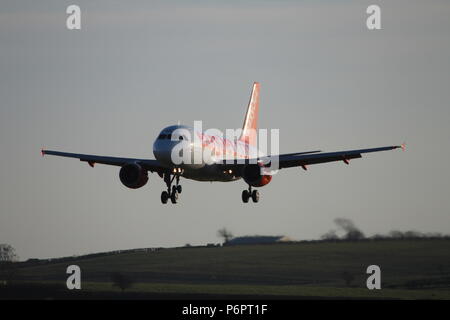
(179, 189)
(164, 197)
(255, 195)
(174, 196)
(245, 196)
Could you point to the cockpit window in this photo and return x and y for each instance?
(168, 136)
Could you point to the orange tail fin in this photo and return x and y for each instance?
(249, 134)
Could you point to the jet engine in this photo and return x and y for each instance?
(133, 176)
(252, 175)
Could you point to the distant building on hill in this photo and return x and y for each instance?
(257, 240)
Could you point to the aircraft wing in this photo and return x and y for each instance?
(303, 160)
(148, 164)
(287, 161)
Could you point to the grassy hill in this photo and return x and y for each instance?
(410, 269)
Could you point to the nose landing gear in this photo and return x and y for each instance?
(247, 194)
(172, 192)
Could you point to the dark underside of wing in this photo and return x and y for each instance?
(148, 164)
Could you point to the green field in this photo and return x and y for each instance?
(410, 269)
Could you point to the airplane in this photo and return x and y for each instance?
(247, 166)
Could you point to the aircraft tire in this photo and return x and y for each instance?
(174, 196)
(245, 196)
(164, 197)
(255, 195)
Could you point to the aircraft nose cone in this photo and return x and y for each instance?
(162, 152)
(169, 153)
(162, 156)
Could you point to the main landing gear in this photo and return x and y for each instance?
(172, 192)
(247, 194)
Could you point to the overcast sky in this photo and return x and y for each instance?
(137, 66)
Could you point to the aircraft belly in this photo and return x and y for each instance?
(208, 173)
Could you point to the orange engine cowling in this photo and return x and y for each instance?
(133, 176)
(252, 175)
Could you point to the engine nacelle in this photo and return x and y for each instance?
(252, 175)
(133, 176)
